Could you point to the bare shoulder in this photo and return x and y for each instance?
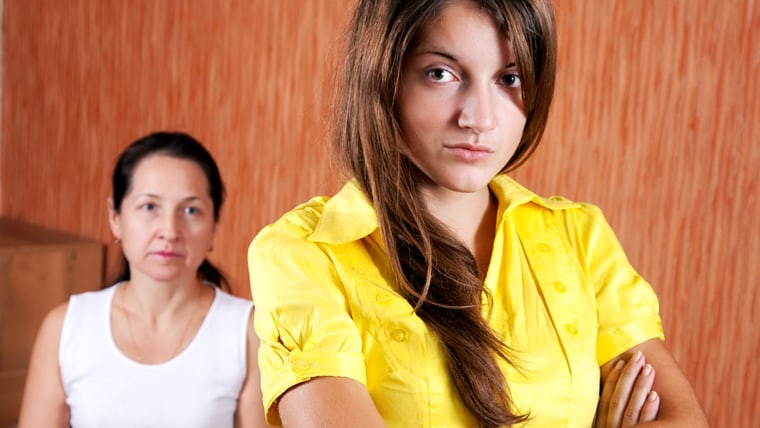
(49, 335)
(52, 324)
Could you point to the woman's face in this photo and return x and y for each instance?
(460, 103)
(166, 223)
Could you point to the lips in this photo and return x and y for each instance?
(166, 254)
(468, 151)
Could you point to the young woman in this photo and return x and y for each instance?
(433, 290)
(164, 347)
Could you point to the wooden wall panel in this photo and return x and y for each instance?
(656, 120)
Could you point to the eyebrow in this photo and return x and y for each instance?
(439, 53)
(434, 51)
(153, 195)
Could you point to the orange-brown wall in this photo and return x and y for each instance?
(83, 78)
(656, 120)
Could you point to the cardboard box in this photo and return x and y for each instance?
(39, 269)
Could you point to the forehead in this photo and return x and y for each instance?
(463, 26)
(161, 171)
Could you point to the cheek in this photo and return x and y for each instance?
(135, 231)
(419, 111)
(513, 112)
(512, 122)
(135, 242)
(419, 123)
(203, 233)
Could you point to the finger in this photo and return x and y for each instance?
(638, 397)
(607, 389)
(650, 408)
(623, 390)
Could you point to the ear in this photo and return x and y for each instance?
(114, 219)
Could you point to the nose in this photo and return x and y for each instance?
(169, 228)
(477, 111)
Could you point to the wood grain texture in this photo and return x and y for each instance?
(656, 120)
(85, 78)
(39, 268)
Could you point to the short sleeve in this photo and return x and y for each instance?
(627, 307)
(301, 315)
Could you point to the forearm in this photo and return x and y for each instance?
(679, 406)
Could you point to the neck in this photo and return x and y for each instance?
(152, 327)
(154, 299)
(471, 217)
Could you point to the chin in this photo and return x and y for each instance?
(468, 185)
(168, 276)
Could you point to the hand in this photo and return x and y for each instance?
(627, 397)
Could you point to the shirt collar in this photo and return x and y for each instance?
(511, 195)
(349, 215)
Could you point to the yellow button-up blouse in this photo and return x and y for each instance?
(565, 299)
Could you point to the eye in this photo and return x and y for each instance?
(148, 206)
(192, 210)
(511, 80)
(440, 75)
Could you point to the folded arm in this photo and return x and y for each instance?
(678, 405)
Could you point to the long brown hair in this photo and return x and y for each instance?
(434, 271)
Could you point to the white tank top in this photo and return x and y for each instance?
(197, 388)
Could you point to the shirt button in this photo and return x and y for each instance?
(571, 329)
(544, 248)
(300, 365)
(559, 286)
(400, 335)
